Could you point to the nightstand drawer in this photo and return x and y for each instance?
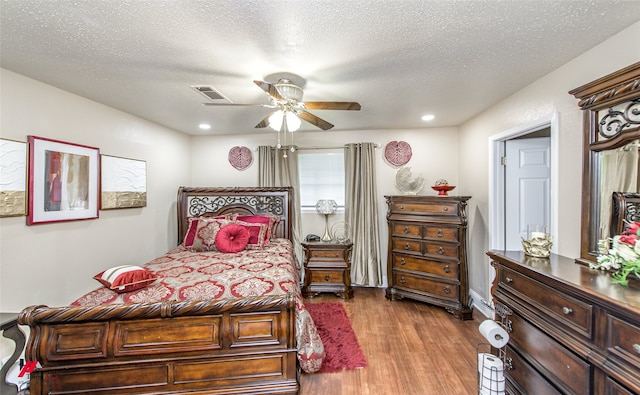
(327, 254)
(421, 208)
(439, 268)
(406, 230)
(407, 245)
(441, 233)
(565, 309)
(327, 276)
(624, 341)
(424, 285)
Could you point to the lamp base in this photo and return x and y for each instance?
(326, 236)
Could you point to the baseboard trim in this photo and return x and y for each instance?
(479, 303)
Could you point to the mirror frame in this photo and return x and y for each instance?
(620, 87)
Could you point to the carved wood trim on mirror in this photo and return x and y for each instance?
(611, 121)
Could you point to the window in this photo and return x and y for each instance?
(321, 177)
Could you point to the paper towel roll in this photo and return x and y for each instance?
(494, 333)
(491, 371)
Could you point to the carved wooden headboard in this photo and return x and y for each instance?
(625, 208)
(200, 201)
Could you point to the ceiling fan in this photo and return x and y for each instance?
(285, 98)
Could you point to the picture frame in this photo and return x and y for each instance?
(63, 181)
(13, 178)
(123, 183)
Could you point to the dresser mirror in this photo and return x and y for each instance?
(611, 151)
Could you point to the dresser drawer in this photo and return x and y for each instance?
(524, 378)
(433, 287)
(565, 309)
(443, 250)
(407, 245)
(441, 233)
(326, 276)
(566, 368)
(623, 341)
(438, 268)
(406, 230)
(613, 388)
(429, 208)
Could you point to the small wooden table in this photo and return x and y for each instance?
(10, 330)
(327, 268)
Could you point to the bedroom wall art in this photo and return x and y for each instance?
(13, 178)
(397, 153)
(123, 183)
(240, 157)
(63, 181)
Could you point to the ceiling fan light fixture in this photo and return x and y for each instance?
(276, 119)
(288, 90)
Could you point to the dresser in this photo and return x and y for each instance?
(327, 268)
(572, 331)
(427, 255)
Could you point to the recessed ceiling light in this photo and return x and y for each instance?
(204, 126)
(428, 117)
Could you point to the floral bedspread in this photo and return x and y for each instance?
(187, 275)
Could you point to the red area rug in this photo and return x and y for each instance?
(340, 342)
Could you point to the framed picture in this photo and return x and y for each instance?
(63, 181)
(13, 178)
(124, 183)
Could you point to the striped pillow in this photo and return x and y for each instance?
(125, 278)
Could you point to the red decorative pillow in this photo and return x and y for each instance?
(232, 238)
(257, 234)
(201, 235)
(125, 278)
(271, 221)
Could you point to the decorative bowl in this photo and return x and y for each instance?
(442, 189)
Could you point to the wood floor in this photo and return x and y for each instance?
(411, 348)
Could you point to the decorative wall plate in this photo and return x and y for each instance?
(240, 157)
(397, 153)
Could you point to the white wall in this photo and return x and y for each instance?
(541, 98)
(434, 156)
(54, 263)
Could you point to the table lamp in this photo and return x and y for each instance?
(326, 207)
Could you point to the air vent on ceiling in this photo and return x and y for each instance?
(210, 92)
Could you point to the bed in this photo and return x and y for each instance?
(224, 337)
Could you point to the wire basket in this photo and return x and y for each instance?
(491, 368)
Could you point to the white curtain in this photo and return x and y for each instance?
(361, 213)
(618, 173)
(279, 168)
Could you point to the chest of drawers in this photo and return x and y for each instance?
(572, 331)
(427, 256)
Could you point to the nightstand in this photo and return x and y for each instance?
(327, 268)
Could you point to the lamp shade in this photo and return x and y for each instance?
(276, 119)
(326, 206)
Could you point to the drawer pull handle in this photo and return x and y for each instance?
(508, 326)
(566, 310)
(402, 261)
(315, 254)
(405, 230)
(447, 269)
(509, 363)
(401, 207)
(440, 250)
(440, 233)
(406, 246)
(447, 290)
(337, 254)
(326, 278)
(402, 280)
(508, 280)
(636, 348)
(446, 209)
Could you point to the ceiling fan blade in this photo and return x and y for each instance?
(240, 104)
(332, 105)
(312, 119)
(270, 89)
(265, 122)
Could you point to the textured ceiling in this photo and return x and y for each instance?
(398, 59)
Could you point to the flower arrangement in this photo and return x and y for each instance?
(621, 253)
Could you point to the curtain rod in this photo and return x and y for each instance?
(378, 145)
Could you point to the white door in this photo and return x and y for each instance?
(527, 187)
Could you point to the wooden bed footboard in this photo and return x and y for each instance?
(243, 346)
